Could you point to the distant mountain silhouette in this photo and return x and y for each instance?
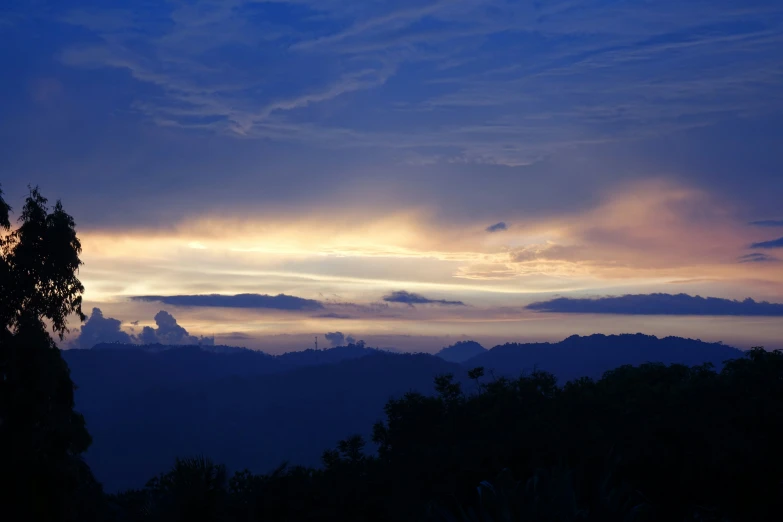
(145, 405)
(461, 351)
(113, 371)
(289, 359)
(329, 356)
(592, 355)
(251, 421)
(157, 347)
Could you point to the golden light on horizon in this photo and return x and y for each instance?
(642, 235)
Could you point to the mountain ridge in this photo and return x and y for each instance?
(461, 351)
(592, 355)
(144, 407)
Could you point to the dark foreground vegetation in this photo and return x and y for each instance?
(653, 442)
(646, 443)
(145, 405)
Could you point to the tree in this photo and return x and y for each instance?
(41, 436)
(475, 375)
(40, 261)
(194, 490)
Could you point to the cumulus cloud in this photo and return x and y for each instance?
(659, 304)
(497, 227)
(758, 257)
(99, 329)
(335, 338)
(411, 299)
(169, 332)
(767, 223)
(339, 339)
(259, 301)
(775, 243)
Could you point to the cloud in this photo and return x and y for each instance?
(257, 301)
(497, 227)
(584, 84)
(336, 338)
(395, 20)
(169, 332)
(339, 339)
(659, 304)
(190, 50)
(331, 142)
(758, 257)
(411, 299)
(346, 310)
(547, 252)
(775, 243)
(332, 315)
(767, 223)
(99, 329)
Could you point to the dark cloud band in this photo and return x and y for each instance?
(253, 301)
(775, 243)
(659, 304)
(768, 223)
(497, 227)
(758, 257)
(410, 298)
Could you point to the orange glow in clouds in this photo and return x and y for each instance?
(649, 237)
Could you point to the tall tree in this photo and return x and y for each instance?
(41, 436)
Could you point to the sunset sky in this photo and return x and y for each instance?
(414, 172)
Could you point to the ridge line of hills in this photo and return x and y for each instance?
(146, 405)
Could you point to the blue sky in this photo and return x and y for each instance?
(318, 147)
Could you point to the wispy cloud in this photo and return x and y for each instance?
(394, 20)
(774, 243)
(310, 147)
(758, 257)
(615, 79)
(767, 223)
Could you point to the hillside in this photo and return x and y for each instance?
(592, 355)
(251, 421)
(147, 405)
(461, 351)
(109, 372)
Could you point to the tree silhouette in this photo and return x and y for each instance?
(41, 436)
(475, 375)
(645, 444)
(193, 490)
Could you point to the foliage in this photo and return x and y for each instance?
(40, 259)
(647, 443)
(41, 436)
(194, 489)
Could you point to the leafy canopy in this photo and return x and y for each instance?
(41, 436)
(39, 264)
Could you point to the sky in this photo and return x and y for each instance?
(410, 173)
